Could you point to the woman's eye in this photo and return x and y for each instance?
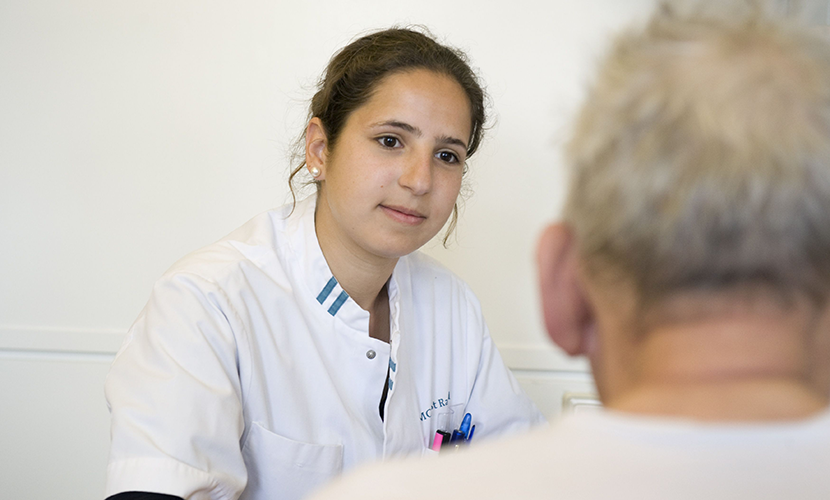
(388, 141)
(447, 156)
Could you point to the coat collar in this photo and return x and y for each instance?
(321, 285)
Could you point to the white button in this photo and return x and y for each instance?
(370, 354)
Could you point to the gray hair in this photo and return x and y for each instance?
(701, 159)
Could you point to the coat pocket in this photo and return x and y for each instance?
(281, 468)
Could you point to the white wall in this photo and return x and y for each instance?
(134, 132)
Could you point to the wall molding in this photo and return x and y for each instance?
(35, 340)
(540, 357)
(60, 340)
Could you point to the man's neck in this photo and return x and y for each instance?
(749, 364)
(749, 400)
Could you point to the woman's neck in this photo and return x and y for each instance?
(362, 275)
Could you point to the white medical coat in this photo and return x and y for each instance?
(251, 372)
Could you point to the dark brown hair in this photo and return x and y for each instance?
(357, 69)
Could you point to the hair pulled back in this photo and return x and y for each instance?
(355, 71)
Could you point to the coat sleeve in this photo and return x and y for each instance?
(496, 401)
(175, 396)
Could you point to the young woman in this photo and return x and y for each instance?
(315, 337)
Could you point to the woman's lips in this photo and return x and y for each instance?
(403, 215)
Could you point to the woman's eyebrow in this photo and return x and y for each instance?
(401, 125)
(444, 139)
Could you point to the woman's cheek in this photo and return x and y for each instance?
(452, 185)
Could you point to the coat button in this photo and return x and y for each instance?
(370, 354)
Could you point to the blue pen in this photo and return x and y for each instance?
(460, 434)
(465, 425)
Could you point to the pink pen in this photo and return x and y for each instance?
(436, 443)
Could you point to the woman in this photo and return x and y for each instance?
(315, 337)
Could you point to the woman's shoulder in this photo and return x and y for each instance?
(256, 244)
(426, 272)
(424, 266)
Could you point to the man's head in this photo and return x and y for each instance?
(700, 183)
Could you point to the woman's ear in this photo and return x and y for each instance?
(316, 149)
(568, 314)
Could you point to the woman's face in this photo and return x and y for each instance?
(391, 181)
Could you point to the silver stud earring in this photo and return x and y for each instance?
(315, 172)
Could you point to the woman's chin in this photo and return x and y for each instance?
(394, 248)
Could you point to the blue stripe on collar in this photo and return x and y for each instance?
(338, 302)
(324, 294)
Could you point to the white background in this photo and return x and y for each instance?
(132, 133)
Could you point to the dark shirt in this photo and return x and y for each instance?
(142, 495)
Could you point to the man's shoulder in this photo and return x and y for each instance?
(486, 470)
(611, 454)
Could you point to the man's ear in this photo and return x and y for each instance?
(316, 147)
(569, 317)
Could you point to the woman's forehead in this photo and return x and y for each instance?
(431, 102)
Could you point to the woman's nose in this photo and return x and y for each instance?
(417, 174)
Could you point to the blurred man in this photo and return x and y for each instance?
(692, 268)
